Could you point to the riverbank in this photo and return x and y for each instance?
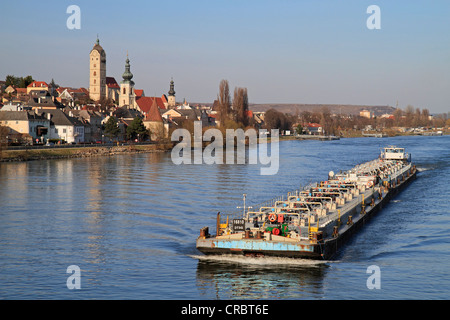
(102, 150)
(79, 152)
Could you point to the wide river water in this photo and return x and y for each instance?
(130, 222)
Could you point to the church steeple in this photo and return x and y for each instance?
(127, 75)
(172, 90)
(171, 98)
(127, 96)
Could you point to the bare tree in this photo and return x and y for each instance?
(240, 105)
(3, 139)
(409, 115)
(224, 102)
(425, 117)
(398, 114)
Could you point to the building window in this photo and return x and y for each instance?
(95, 73)
(95, 81)
(124, 91)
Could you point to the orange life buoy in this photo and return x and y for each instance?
(273, 217)
(276, 231)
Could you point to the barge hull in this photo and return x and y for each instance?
(259, 248)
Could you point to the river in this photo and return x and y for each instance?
(129, 222)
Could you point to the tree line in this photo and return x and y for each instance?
(136, 129)
(335, 124)
(18, 82)
(232, 113)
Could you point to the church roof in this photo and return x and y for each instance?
(112, 83)
(145, 103)
(153, 114)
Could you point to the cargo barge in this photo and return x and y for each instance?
(317, 220)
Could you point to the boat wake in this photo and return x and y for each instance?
(259, 261)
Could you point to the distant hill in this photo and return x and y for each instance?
(333, 108)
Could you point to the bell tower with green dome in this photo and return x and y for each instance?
(127, 96)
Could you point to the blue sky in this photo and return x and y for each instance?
(289, 51)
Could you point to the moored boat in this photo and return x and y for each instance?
(313, 222)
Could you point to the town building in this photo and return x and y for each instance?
(97, 72)
(37, 85)
(112, 89)
(313, 128)
(144, 104)
(366, 114)
(41, 100)
(127, 96)
(68, 96)
(154, 122)
(64, 127)
(25, 127)
(92, 121)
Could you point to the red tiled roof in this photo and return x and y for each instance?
(145, 103)
(138, 92)
(316, 125)
(60, 89)
(37, 84)
(112, 83)
(153, 114)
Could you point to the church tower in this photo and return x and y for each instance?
(171, 98)
(97, 72)
(127, 96)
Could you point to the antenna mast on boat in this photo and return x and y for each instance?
(245, 195)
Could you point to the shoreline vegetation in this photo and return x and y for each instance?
(83, 152)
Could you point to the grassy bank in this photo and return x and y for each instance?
(64, 153)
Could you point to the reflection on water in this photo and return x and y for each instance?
(236, 277)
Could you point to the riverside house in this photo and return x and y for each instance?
(25, 127)
(65, 127)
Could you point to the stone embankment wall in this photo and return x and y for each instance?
(64, 153)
